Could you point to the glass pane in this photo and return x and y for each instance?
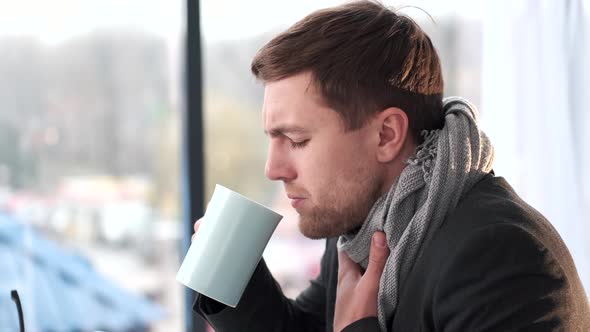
(89, 164)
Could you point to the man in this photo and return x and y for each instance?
(421, 235)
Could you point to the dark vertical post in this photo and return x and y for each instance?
(193, 157)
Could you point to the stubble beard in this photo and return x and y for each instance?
(341, 211)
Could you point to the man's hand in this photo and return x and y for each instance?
(356, 296)
(196, 228)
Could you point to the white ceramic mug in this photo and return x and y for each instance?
(228, 246)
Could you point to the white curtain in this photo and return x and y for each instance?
(535, 108)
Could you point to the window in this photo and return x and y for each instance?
(89, 164)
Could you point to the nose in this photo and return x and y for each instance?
(278, 164)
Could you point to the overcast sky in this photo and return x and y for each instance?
(56, 20)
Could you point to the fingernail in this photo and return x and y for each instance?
(379, 241)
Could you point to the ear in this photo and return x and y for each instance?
(394, 127)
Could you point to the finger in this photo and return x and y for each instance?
(197, 224)
(347, 267)
(377, 259)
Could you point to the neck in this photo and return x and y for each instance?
(396, 166)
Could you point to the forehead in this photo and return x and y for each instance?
(295, 102)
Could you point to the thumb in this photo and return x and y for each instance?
(377, 259)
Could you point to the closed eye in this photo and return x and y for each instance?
(299, 145)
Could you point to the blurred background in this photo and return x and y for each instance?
(92, 111)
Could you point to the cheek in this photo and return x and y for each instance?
(317, 169)
(350, 157)
(338, 167)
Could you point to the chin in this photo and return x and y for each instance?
(316, 229)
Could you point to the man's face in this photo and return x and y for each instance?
(331, 175)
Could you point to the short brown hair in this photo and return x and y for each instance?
(363, 58)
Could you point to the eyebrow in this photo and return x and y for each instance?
(286, 130)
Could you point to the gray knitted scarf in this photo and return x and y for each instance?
(449, 162)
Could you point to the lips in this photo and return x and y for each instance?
(296, 200)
